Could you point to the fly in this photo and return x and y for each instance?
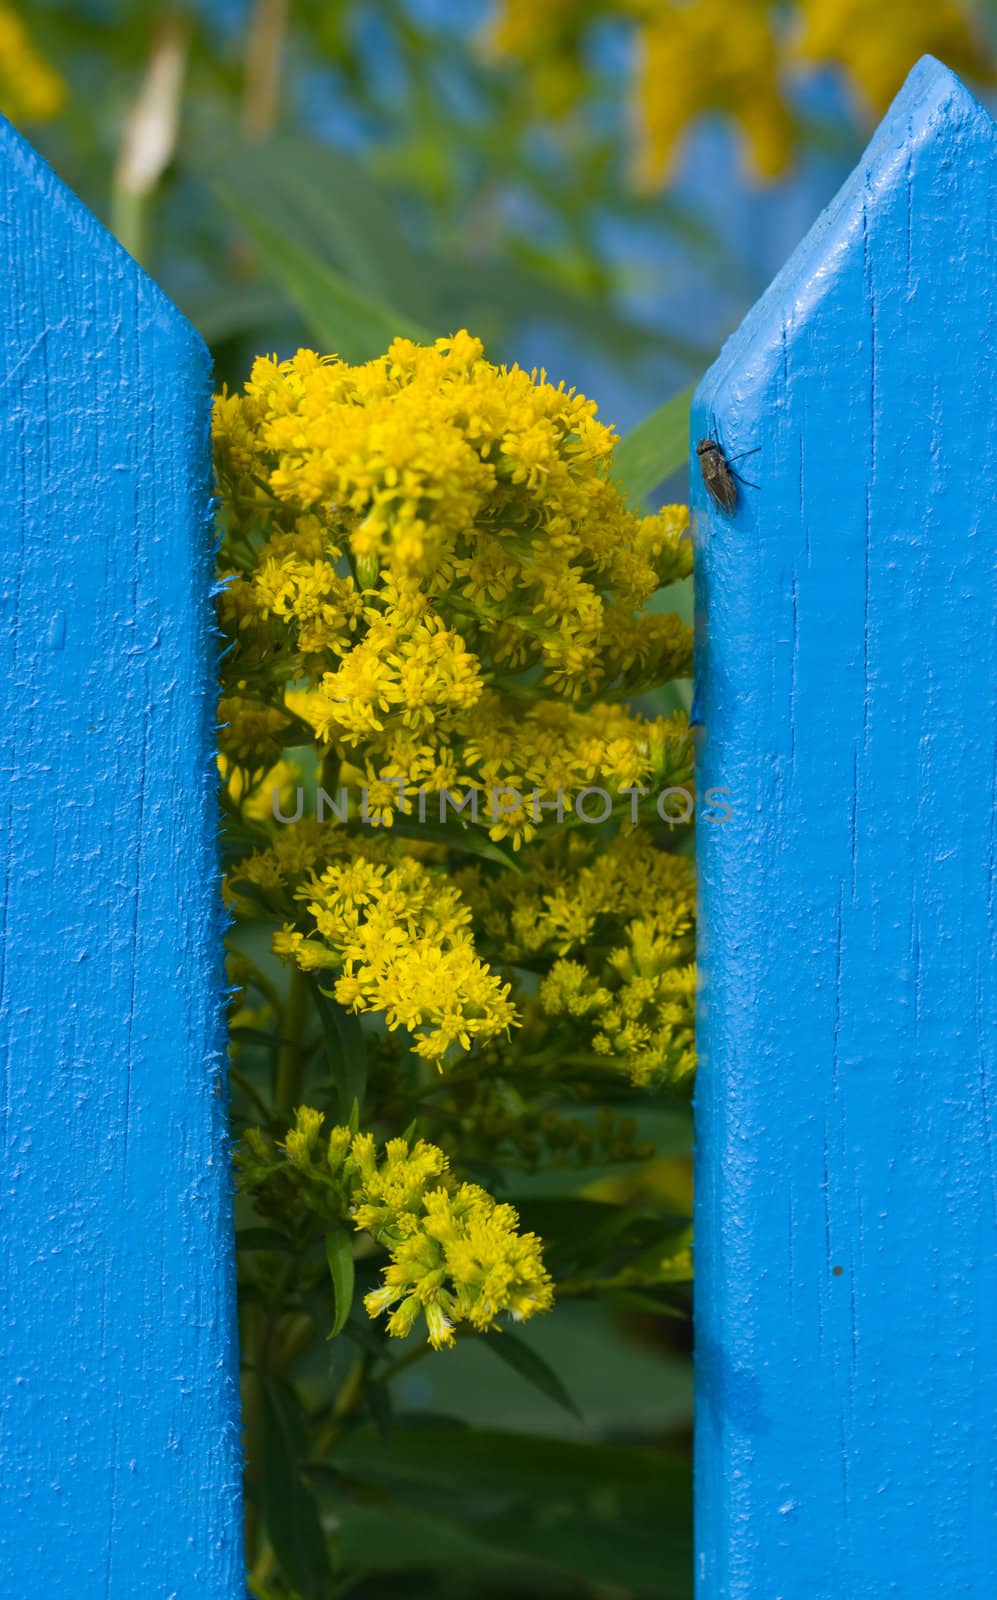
(718, 473)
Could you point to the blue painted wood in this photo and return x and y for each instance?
(119, 1448)
(846, 1212)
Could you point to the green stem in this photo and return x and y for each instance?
(330, 773)
(264, 48)
(346, 1402)
(261, 1360)
(129, 219)
(291, 1061)
(243, 1083)
(409, 1359)
(252, 1419)
(262, 1571)
(299, 1338)
(263, 1318)
(149, 137)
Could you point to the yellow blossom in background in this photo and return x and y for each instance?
(30, 89)
(295, 851)
(876, 42)
(714, 55)
(739, 58)
(646, 1022)
(549, 34)
(253, 791)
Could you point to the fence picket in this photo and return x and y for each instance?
(846, 1211)
(119, 1460)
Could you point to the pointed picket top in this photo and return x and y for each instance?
(119, 1460)
(934, 119)
(846, 1215)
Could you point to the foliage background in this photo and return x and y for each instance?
(600, 187)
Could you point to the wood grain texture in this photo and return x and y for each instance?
(119, 1449)
(846, 1205)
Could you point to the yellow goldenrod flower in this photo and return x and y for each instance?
(301, 1142)
(455, 1256)
(494, 614)
(399, 937)
(635, 1007)
(247, 732)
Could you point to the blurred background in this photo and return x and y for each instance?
(598, 187)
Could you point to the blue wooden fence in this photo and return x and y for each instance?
(846, 1195)
(119, 1438)
(846, 1204)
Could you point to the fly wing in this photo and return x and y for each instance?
(719, 480)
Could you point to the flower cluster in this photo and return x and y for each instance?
(388, 929)
(498, 1124)
(736, 57)
(456, 1256)
(397, 937)
(30, 89)
(432, 574)
(436, 599)
(646, 1020)
(614, 928)
(436, 954)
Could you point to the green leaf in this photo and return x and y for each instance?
(346, 1051)
(465, 1461)
(655, 449)
(340, 318)
(230, 313)
(381, 1408)
(602, 1514)
(257, 1036)
(376, 1540)
(581, 1233)
(333, 209)
(665, 1262)
(626, 1553)
(289, 1507)
(249, 891)
(531, 1366)
(339, 1254)
(634, 1300)
(331, 206)
(493, 297)
(471, 841)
